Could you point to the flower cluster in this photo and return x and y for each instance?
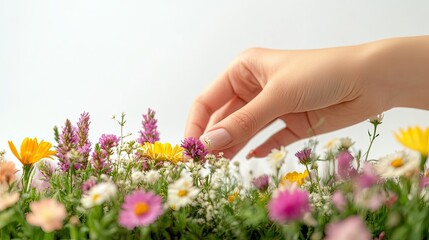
(142, 188)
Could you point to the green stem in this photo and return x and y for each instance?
(372, 137)
(423, 159)
(309, 174)
(26, 177)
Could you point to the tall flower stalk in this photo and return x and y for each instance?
(150, 129)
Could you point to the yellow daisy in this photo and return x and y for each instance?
(415, 138)
(294, 177)
(32, 151)
(163, 152)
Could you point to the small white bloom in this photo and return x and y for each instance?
(332, 145)
(346, 142)
(152, 176)
(181, 193)
(377, 119)
(137, 176)
(99, 194)
(277, 157)
(396, 164)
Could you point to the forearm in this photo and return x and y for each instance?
(400, 69)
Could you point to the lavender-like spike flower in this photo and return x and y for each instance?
(67, 142)
(195, 149)
(150, 132)
(304, 156)
(108, 141)
(100, 161)
(83, 143)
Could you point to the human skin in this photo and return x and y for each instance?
(312, 91)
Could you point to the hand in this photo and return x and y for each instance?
(312, 91)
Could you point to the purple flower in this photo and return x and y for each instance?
(66, 142)
(367, 178)
(88, 184)
(108, 141)
(261, 182)
(345, 169)
(288, 205)
(351, 228)
(150, 132)
(304, 156)
(195, 149)
(83, 143)
(100, 161)
(140, 209)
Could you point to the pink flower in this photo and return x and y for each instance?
(47, 214)
(288, 205)
(8, 199)
(339, 200)
(351, 228)
(367, 178)
(345, 169)
(261, 183)
(140, 209)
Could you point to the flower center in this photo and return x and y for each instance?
(141, 208)
(95, 197)
(397, 163)
(182, 193)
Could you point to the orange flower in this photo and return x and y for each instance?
(294, 177)
(32, 151)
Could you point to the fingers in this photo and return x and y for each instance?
(230, 107)
(238, 81)
(242, 124)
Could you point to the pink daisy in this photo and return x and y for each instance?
(288, 205)
(140, 209)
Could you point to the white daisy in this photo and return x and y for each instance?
(99, 194)
(346, 142)
(181, 193)
(396, 164)
(277, 157)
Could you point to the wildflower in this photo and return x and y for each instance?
(294, 177)
(288, 205)
(88, 184)
(98, 194)
(232, 197)
(376, 119)
(261, 183)
(181, 193)
(332, 145)
(150, 133)
(8, 199)
(277, 157)
(351, 228)
(140, 209)
(304, 156)
(32, 151)
(137, 177)
(346, 143)
(369, 198)
(339, 200)
(152, 176)
(7, 172)
(83, 145)
(415, 138)
(396, 164)
(194, 149)
(100, 160)
(163, 152)
(345, 168)
(67, 141)
(47, 214)
(367, 178)
(107, 142)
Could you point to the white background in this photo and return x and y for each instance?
(60, 58)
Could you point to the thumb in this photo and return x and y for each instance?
(242, 124)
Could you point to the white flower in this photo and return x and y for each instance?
(181, 193)
(346, 142)
(277, 157)
(396, 164)
(332, 145)
(152, 176)
(99, 194)
(137, 177)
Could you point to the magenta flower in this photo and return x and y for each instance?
(150, 132)
(140, 209)
(350, 228)
(304, 156)
(108, 141)
(367, 178)
(88, 184)
(195, 149)
(339, 200)
(288, 205)
(66, 142)
(261, 182)
(82, 138)
(345, 169)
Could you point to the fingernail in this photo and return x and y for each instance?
(216, 139)
(251, 154)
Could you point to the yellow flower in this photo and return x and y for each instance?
(294, 177)
(415, 138)
(163, 152)
(32, 151)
